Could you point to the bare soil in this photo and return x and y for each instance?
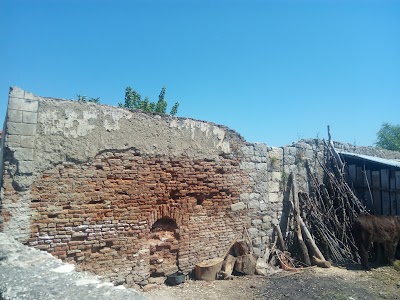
(314, 283)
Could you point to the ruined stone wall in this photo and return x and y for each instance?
(129, 195)
(134, 196)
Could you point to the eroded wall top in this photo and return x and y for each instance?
(71, 130)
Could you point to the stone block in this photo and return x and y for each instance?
(22, 182)
(23, 104)
(273, 197)
(257, 251)
(23, 154)
(16, 92)
(276, 176)
(29, 117)
(14, 115)
(260, 149)
(253, 204)
(262, 185)
(256, 222)
(261, 166)
(21, 128)
(256, 159)
(256, 242)
(253, 232)
(25, 167)
(274, 187)
(30, 96)
(255, 196)
(27, 141)
(291, 151)
(265, 239)
(247, 166)
(290, 160)
(13, 141)
(303, 145)
(238, 206)
(244, 197)
(266, 226)
(266, 219)
(248, 150)
(263, 206)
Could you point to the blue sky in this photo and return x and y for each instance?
(274, 71)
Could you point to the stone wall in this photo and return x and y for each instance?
(134, 196)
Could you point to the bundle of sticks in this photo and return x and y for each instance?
(330, 208)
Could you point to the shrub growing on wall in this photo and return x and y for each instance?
(133, 100)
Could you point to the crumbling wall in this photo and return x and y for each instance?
(134, 196)
(88, 183)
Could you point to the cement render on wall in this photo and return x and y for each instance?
(69, 130)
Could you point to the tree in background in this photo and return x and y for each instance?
(133, 100)
(388, 137)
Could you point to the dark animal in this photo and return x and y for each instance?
(368, 229)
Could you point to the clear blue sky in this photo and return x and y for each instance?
(275, 71)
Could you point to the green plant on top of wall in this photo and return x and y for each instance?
(133, 100)
(82, 98)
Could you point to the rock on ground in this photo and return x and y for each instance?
(31, 274)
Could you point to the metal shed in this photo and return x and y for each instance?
(375, 180)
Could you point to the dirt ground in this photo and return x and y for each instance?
(315, 283)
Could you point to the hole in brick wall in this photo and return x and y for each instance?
(99, 167)
(164, 247)
(95, 249)
(220, 171)
(164, 224)
(52, 215)
(109, 244)
(78, 238)
(227, 192)
(198, 196)
(174, 195)
(95, 201)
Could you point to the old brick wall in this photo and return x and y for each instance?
(128, 195)
(101, 213)
(134, 196)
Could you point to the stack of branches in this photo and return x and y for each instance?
(330, 208)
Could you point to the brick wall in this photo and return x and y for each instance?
(100, 214)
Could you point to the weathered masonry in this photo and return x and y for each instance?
(134, 196)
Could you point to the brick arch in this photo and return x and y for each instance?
(165, 211)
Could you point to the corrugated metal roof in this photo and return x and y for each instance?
(388, 162)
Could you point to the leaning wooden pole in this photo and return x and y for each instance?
(279, 236)
(317, 258)
(296, 210)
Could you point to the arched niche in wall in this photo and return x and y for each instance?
(164, 247)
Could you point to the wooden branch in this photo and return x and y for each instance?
(281, 242)
(318, 257)
(249, 240)
(296, 209)
(335, 154)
